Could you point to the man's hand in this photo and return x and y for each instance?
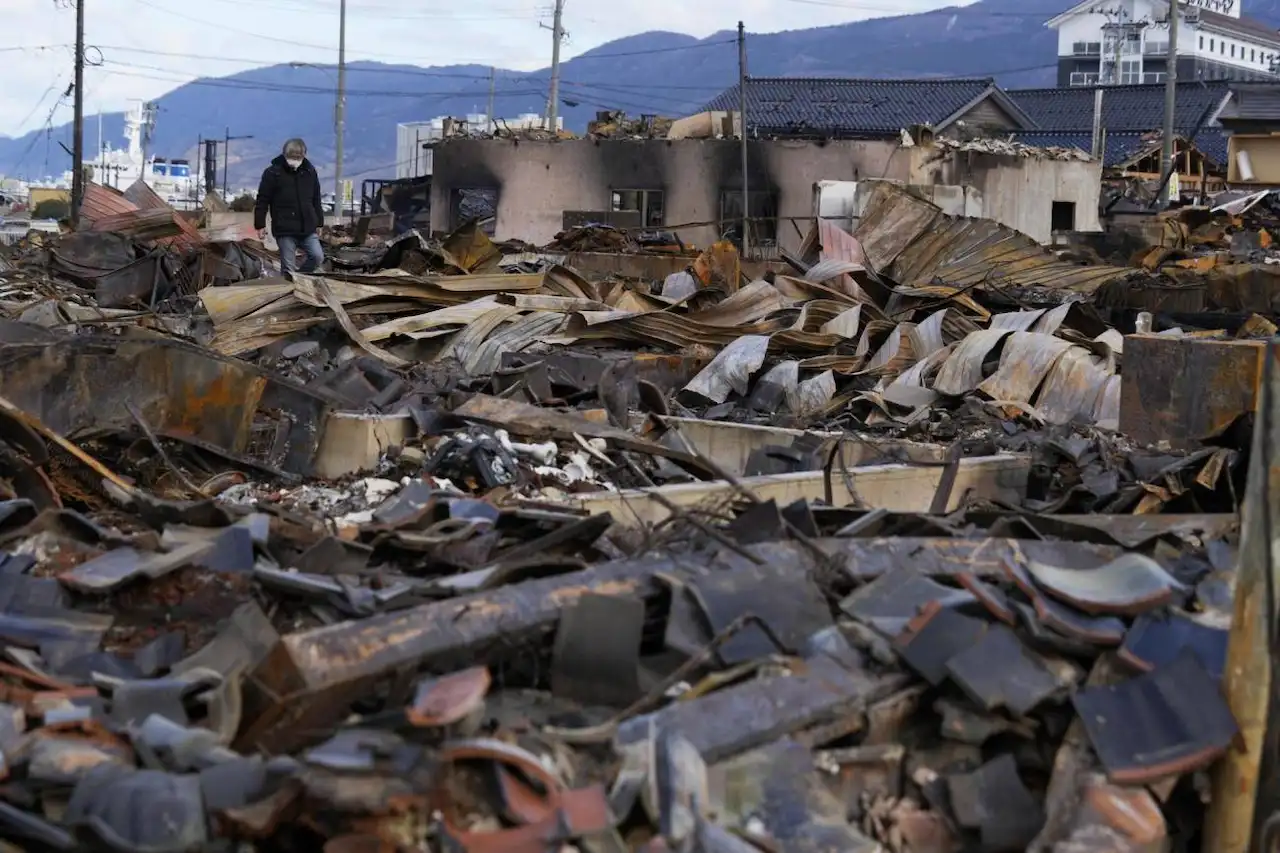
(262, 233)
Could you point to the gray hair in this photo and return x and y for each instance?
(295, 148)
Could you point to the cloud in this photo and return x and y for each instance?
(148, 47)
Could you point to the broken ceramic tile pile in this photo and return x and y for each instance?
(458, 547)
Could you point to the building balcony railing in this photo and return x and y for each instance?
(1084, 78)
(1154, 77)
(1155, 48)
(1086, 48)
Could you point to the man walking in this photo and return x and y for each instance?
(290, 191)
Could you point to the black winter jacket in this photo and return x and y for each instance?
(292, 197)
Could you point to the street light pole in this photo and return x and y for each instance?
(340, 109)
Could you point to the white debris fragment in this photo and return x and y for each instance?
(543, 454)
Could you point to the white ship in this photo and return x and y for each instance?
(171, 179)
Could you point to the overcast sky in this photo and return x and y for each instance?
(149, 47)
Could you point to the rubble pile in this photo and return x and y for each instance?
(459, 548)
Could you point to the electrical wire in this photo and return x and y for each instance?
(39, 103)
(47, 126)
(220, 83)
(383, 12)
(261, 36)
(395, 71)
(852, 5)
(698, 46)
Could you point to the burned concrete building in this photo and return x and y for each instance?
(805, 136)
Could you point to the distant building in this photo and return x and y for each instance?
(413, 139)
(814, 146)
(1126, 42)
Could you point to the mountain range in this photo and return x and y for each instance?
(656, 72)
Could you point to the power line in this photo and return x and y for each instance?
(641, 95)
(251, 34)
(697, 46)
(870, 7)
(16, 48)
(39, 103)
(47, 125)
(411, 72)
(391, 70)
(388, 13)
(225, 83)
(384, 12)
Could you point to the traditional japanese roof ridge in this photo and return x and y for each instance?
(843, 106)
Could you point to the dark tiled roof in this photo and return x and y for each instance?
(1253, 102)
(1211, 141)
(1250, 28)
(778, 106)
(1124, 108)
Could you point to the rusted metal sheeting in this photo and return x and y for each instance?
(1184, 390)
(146, 225)
(893, 219)
(100, 202)
(150, 220)
(914, 242)
(179, 389)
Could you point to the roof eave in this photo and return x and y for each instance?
(1273, 40)
(1057, 20)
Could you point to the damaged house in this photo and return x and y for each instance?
(1130, 127)
(803, 135)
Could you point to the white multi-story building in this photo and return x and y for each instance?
(413, 139)
(1119, 42)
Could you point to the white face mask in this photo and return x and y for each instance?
(294, 164)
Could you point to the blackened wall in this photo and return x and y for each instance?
(538, 181)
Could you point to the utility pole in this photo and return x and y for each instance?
(490, 124)
(148, 129)
(77, 144)
(1170, 103)
(1096, 149)
(226, 159)
(742, 133)
(557, 36)
(210, 166)
(340, 109)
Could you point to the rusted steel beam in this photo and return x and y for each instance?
(180, 389)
